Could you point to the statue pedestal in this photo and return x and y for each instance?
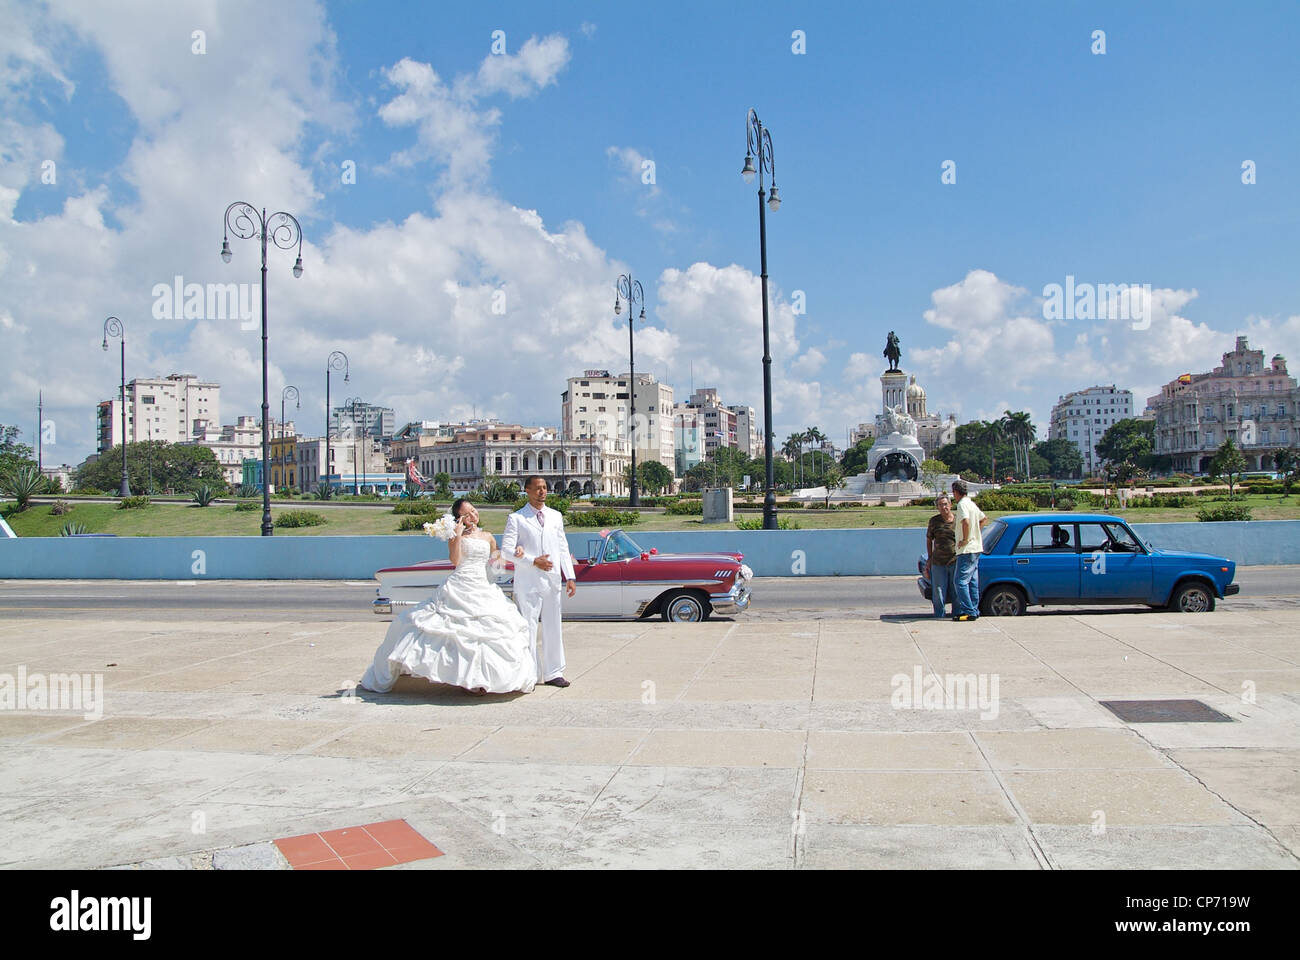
(896, 456)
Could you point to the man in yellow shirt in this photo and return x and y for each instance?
(970, 544)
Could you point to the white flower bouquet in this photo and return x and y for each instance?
(444, 528)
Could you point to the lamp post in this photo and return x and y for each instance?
(283, 230)
(290, 391)
(338, 360)
(630, 290)
(352, 414)
(113, 328)
(758, 140)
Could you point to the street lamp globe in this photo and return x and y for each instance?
(297, 267)
(225, 250)
(748, 171)
(774, 199)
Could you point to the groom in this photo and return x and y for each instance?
(534, 534)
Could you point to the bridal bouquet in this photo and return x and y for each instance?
(444, 528)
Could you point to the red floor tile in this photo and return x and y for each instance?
(366, 847)
(308, 848)
(370, 861)
(351, 842)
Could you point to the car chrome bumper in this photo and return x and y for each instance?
(735, 600)
(384, 607)
(1232, 589)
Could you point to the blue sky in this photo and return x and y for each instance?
(1122, 167)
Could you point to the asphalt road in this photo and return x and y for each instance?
(774, 597)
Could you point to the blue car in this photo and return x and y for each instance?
(1071, 558)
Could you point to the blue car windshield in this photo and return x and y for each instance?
(992, 534)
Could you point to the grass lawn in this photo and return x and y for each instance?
(178, 520)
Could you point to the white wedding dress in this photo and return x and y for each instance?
(467, 634)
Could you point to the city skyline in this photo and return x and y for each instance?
(495, 197)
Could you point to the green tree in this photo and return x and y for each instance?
(653, 477)
(1287, 463)
(854, 460)
(1131, 440)
(993, 434)
(833, 479)
(13, 454)
(442, 483)
(932, 473)
(1229, 463)
(1062, 457)
(182, 467)
(1019, 427)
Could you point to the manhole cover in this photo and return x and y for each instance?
(1165, 711)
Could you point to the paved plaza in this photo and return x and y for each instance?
(726, 744)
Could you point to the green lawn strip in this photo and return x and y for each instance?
(175, 520)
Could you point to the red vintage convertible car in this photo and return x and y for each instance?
(617, 580)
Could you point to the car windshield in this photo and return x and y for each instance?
(619, 546)
(993, 534)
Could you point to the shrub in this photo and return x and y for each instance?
(204, 495)
(684, 508)
(247, 491)
(299, 518)
(71, 529)
(923, 502)
(133, 503)
(244, 505)
(993, 500)
(59, 507)
(23, 484)
(782, 523)
(324, 491)
(603, 517)
(553, 500)
(1226, 512)
(1064, 503)
(420, 506)
(416, 521)
(1163, 500)
(90, 491)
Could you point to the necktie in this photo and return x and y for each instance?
(540, 521)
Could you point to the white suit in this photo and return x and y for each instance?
(537, 591)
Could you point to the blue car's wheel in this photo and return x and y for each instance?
(1002, 601)
(1192, 597)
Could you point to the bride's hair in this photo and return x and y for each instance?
(455, 507)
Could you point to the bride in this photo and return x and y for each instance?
(467, 634)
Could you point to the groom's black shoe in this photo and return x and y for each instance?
(556, 682)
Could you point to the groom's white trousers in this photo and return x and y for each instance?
(543, 604)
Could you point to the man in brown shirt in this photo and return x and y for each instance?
(941, 550)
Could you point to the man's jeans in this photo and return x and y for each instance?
(941, 587)
(966, 591)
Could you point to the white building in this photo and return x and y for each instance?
(230, 444)
(597, 405)
(1084, 415)
(513, 452)
(159, 408)
(1253, 403)
(362, 418)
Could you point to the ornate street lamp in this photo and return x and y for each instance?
(338, 360)
(113, 328)
(297, 405)
(758, 141)
(356, 443)
(283, 230)
(630, 290)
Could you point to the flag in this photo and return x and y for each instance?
(413, 474)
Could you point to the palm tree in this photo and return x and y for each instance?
(992, 433)
(814, 435)
(1019, 427)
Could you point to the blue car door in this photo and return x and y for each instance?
(1115, 566)
(1046, 561)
